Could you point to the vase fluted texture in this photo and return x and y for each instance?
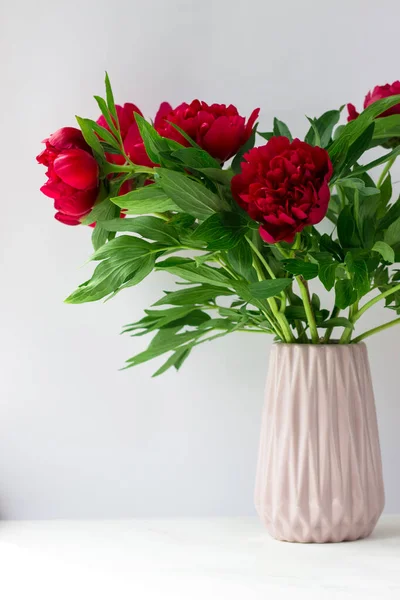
(319, 474)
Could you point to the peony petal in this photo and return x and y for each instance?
(78, 204)
(163, 111)
(137, 153)
(353, 114)
(223, 139)
(68, 138)
(77, 168)
(250, 123)
(267, 237)
(126, 117)
(66, 219)
(55, 188)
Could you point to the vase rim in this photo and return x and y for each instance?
(332, 344)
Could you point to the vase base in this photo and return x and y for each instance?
(302, 534)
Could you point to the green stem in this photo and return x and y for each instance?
(346, 335)
(271, 321)
(262, 259)
(375, 163)
(375, 330)
(305, 296)
(162, 216)
(227, 269)
(368, 305)
(127, 168)
(253, 331)
(328, 333)
(385, 171)
(282, 251)
(287, 335)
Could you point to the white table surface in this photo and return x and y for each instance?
(190, 559)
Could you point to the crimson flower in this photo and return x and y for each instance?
(284, 186)
(379, 92)
(73, 175)
(133, 143)
(217, 128)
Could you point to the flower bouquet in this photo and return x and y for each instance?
(232, 213)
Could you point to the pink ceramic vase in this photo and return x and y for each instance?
(319, 474)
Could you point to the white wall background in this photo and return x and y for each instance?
(78, 438)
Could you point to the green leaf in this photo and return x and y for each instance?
(105, 135)
(196, 158)
(324, 125)
(111, 275)
(359, 271)
(295, 313)
(267, 135)
(386, 128)
(280, 128)
(145, 200)
(206, 257)
(385, 251)
(315, 301)
(223, 176)
(108, 211)
(314, 128)
(358, 147)
(238, 159)
(188, 270)
(193, 295)
(226, 324)
(92, 139)
(171, 316)
(298, 313)
(151, 228)
(124, 246)
(175, 360)
(106, 113)
(97, 211)
(338, 132)
(327, 244)
(269, 287)
(299, 267)
(327, 274)
(391, 216)
(392, 234)
(345, 294)
(353, 130)
(191, 197)
(346, 228)
(386, 189)
(155, 144)
(359, 185)
(160, 319)
(185, 135)
(375, 163)
(144, 268)
(337, 322)
(110, 98)
(110, 150)
(164, 341)
(241, 260)
(221, 231)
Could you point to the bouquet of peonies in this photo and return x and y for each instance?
(195, 181)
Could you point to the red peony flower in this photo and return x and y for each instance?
(133, 143)
(284, 186)
(72, 175)
(218, 129)
(379, 92)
